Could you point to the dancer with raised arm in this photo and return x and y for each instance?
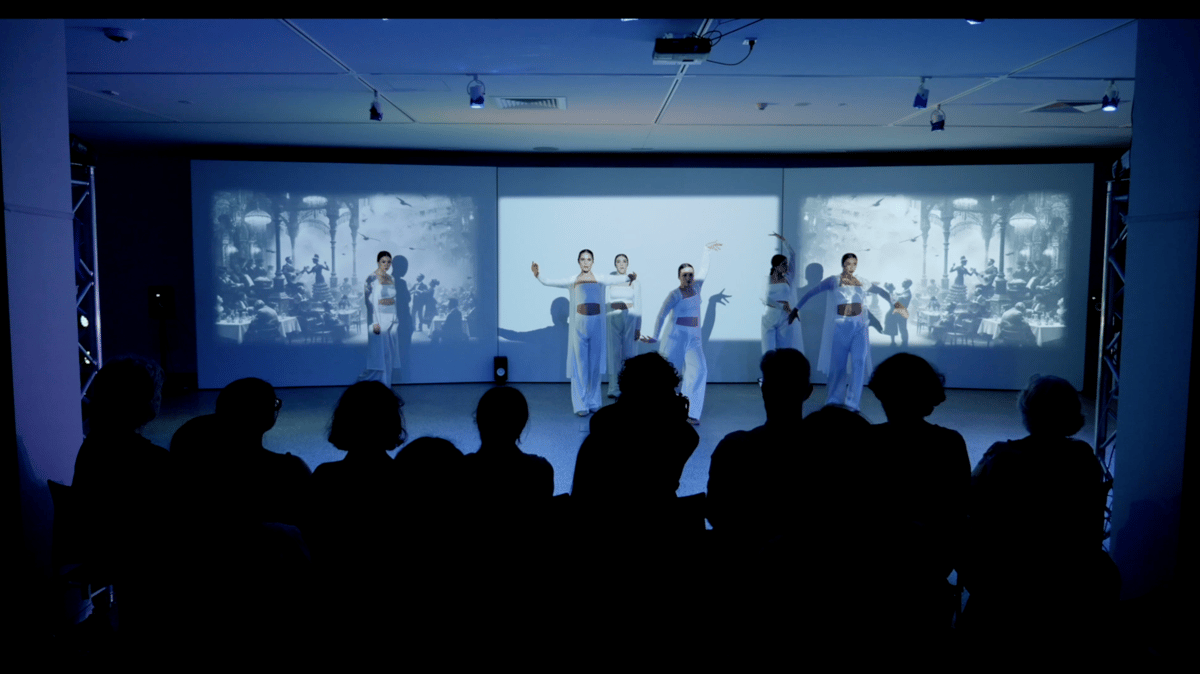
(386, 326)
(682, 344)
(777, 331)
(845, 336)
(624, 323)
(585, 351)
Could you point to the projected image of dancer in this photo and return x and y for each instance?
(682, 345)
(320, 289)
(388, 324)
(624, 323)
(777, 331)
(585, 351)
(846, 348)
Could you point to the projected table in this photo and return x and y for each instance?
(350, 319)
(1048, 332)
(236, 330)
(1042, 333)
(989, 327)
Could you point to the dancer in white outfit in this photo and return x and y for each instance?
(846, 333)
(777, 331)
(624, 323)
(682, 344)
(585, 350)
(383, 337)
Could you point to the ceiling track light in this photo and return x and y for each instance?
(1112, 97)
(376, 111)
(476, 91)
(921, 100)
(937, 120)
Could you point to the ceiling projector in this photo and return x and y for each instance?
(669, 50)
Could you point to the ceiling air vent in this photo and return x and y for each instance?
(1069, 107)
(529, 102)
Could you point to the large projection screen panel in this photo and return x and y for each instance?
(660, 218)
(1017, 307)
(332, 220)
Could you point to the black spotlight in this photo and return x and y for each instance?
(921, 100)
(500, 369)
(1112, 98)
(937, 120)
(376, 111)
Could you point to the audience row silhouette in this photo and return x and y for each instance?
(827, 524)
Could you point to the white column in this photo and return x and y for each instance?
(1158, 350)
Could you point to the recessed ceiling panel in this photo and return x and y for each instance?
(495, 46)
(192, 46)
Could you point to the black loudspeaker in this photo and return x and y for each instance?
(162, 302)
(500, 369)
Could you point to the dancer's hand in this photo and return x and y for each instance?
(720, 297)
(777, 236)
(648, 340)
(715, 245)
(632, 276)
(783, 304)
(794, 315)
(375, 328)
(534, 267)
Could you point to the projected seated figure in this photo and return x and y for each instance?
(777, 331)
(683, 344)
(586, 339)
(265, 324)
(387, 311)
(945, 325)
(624, 323)
(846, 348)
(1014, 329)
(452, 329)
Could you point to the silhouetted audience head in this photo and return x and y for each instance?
(832, 424)
(785, 381)
(126, 394)
(429, 468)
(367, 416)
(501, 415)
(248, 407)
(1050, 406)
(648, 377)
(908, 387)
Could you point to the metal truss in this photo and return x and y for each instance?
(1112, 309)
(87, 278)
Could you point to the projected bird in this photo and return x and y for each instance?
(912, 240)
(878, 202)
(367, 238)
(403, 202)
